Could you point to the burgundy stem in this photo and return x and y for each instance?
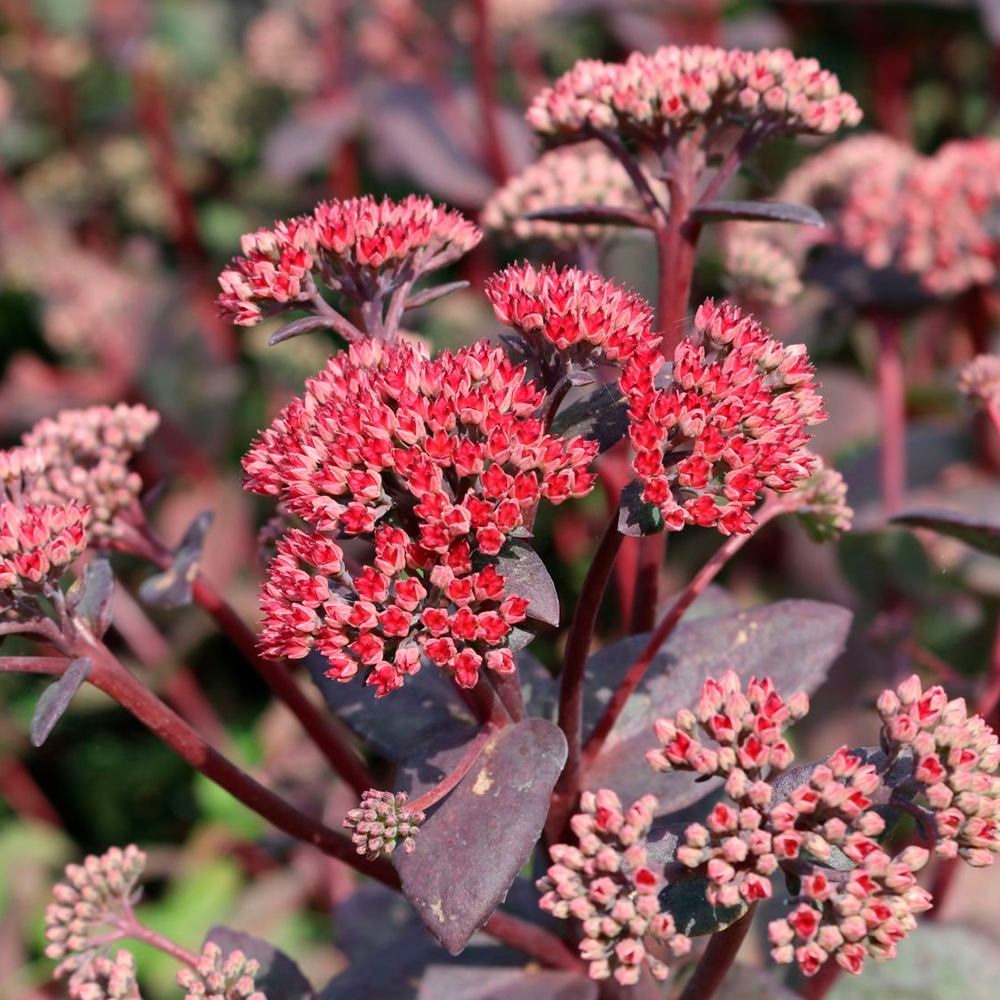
(818, 986)
(771, 509)
(571, 681)
(892, 411)
(484, 69)
(536, 943)
(717, 959)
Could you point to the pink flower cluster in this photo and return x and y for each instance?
(980, 379)
(87, 456)
(758, 270)
(577, 312)
(344, 245)
(822, 508)
(585, 174)
(605, 883)
(955, 759)
(108, 979)
(678, 88)
(732, 422)
(381, 821)
(440, 460)
(220, 977)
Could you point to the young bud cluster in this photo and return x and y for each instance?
(605, 883)
(439, 461)
(96, 897)
(955, 760)
(823, 509)
(220, 977)
(107, 978)
(381, 822)
(580, 314)
(87, 455)
(731, 423)
(585, 174)
(360, 248)
(979, 380)
(677, 89)
(759, 270)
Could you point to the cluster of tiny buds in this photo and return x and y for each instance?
(955, 760)
(677, 88)
(583, 174)
(821, 505)
(345, 245)
(605, 883)
(578, 313)
(979, 380)
(759, 271)
(97, 894)
(217, 976)
(107, 978)
(19, 471)
(381, 822)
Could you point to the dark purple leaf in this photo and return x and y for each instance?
(475, 841)
(429, 295)
(444, 982)
(758, 211)
(55, 700)
(636, 517)
(298, 327)
(91, 596)
(974, 530)
(527, 576)
(173, 587)
(794, 642)
(592, 215)
(848, 277)
(392, 724)
(307, 139)
(685, 900)
(279, 977)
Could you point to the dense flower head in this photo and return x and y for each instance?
(218, 976)
(585, 174)
(382, 821)
(605, 883)
(678, 88)
(87, 454)
(96, 896)
(955, 761)
(822, 509)
(108, 978)
(579, 313)
(759, 270)
(439, 461)
(731, 423)
(356, 247)
(979, 380)
(38, 543)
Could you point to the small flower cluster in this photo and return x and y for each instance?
(574, 175)
(220, 977)
(732, 423)
(108, 978)
(979, 380)
(736, 847)
(440, 460)
(87, 455)
(97, 895)
(360, 248)
(955, 759)
(381, 821)
(678, 88)
(760, 270)
(605, 883)
(822, 508)
(579, 313)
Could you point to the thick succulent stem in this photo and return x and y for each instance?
(717, 959)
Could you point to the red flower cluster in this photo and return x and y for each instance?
(37, 544)
(732, 423)
(345, 245)
(677, 88)
(605, 883)
(956, 757)
(577, 312)
(439, 460)
(87, 455)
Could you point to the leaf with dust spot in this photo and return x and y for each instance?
(504, 984)
(279, 977)
(475, 841)
(794, 642)
(174, 587)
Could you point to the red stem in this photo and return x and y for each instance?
(484, 70)
(717, 959)
(571, 682)
(771, 509)
(892, 411)
(536, 943)
(817, 987)
(157, 940)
